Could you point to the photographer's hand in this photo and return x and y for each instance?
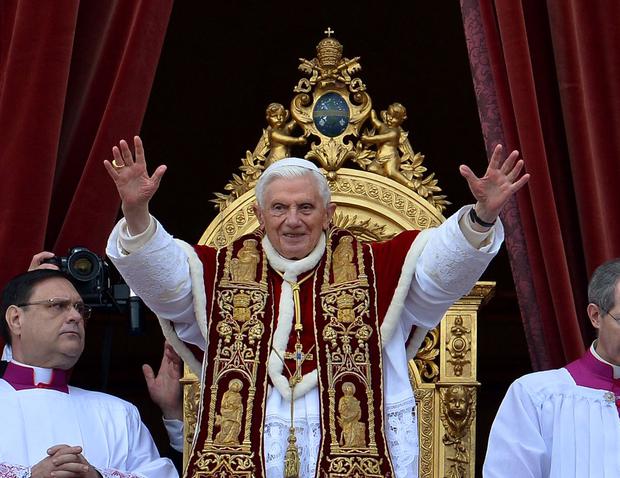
(37, 261)
(134, 185)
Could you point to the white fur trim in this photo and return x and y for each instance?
(200, 311)
(392, 316)
(291, 268)
(286, 312)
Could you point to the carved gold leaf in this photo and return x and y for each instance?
(427, 358)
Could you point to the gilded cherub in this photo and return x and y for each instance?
(388, 160)
(457, 413)
(457, 410)
(278, 133)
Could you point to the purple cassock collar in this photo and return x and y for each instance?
(25, 377)
(589, 371)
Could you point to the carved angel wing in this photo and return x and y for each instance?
(262, 147)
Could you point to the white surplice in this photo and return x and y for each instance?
(109, 430)
(446, 267)
(549, 427)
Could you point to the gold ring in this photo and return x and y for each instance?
(116, 165)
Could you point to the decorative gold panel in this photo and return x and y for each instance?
(384, 190)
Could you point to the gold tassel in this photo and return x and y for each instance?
(291, 458)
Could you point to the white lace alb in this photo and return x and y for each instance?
(400, 430)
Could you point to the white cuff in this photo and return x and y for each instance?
(129, 243)
(175, 433)
(475, 238)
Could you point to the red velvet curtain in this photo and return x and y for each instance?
(547, 79)
(75, 77)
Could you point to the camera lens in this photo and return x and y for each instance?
(83, 265)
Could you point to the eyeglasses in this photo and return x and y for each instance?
(617, 319)
(59, 305)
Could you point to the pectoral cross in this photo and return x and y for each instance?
(299, 356)
(291, 460)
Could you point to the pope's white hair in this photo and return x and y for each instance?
(291, 168)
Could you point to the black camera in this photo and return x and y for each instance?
(99, 285)
(88, 272)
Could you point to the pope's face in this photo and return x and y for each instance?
(294, 215)
(608, 345)
(49, 334)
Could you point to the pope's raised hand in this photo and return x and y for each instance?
(500, 181)
(134, 185)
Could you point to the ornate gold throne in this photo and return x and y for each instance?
(332, 122)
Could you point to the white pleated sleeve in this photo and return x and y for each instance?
(549, 427)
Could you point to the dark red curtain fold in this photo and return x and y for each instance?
(586, 41)
(75, 77)
(546, 77)
(33, 83)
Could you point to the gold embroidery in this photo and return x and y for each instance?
(231, 412)
(240, 301)
(353, 432)
(354, 466)
(241, 307)
(355, 445)
(224, 464)
(243, 267)
(345, 308)
(237, 350)
(343, 266)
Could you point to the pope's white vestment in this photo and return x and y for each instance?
(440, 267)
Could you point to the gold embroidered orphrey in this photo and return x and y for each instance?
(349, 352)
(238, 340)
(388, 191)
(354, 443)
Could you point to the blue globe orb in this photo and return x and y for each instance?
(331, 114)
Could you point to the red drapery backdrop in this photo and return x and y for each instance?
(75, 77)
(547, 79)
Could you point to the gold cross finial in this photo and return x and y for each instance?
(329, 32)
